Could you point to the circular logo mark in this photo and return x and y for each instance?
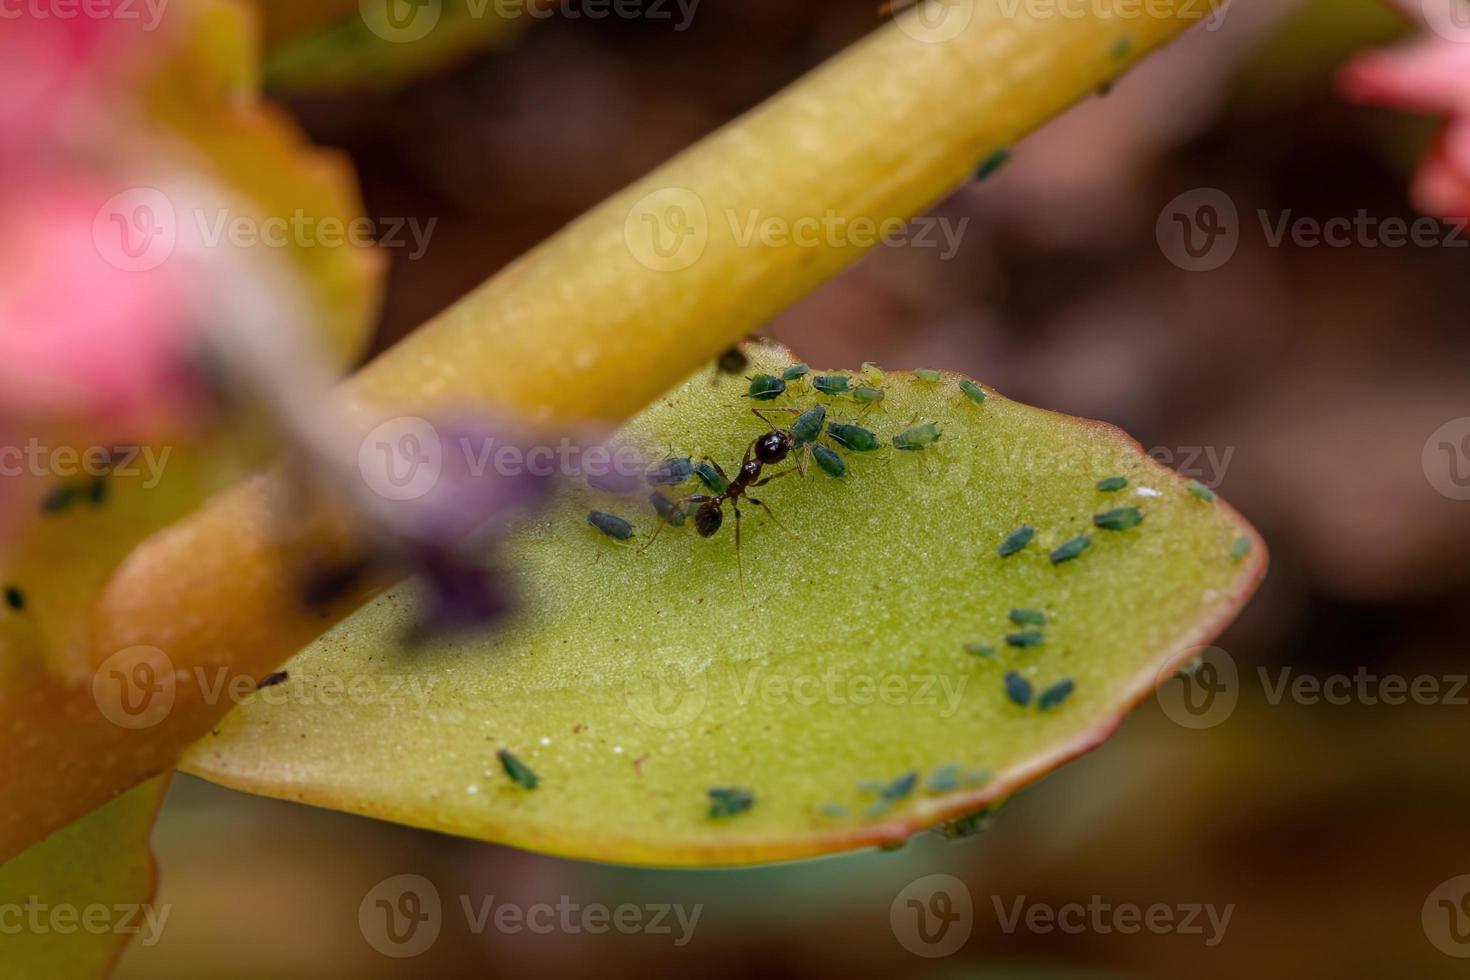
(1203, 694)
(400, 21)
(667, 230)
(1446, 459)
(933, 916)
(930, 475)
(401, 916)
(1450, 19)
(402, 459)
(135, 687)
(136, 230)
(1446, 917)
(667, 698)
(1199, 230)
(936, 21)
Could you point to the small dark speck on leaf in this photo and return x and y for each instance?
(520, 773)
(15, 598)
(729, 801)
(1018, 689)
(273, 679)
(1071, 549)
(1018, 539)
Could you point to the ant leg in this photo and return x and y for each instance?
(776, 476)
(739, 561)
(759, 413)
(698, 498)
(772, 514)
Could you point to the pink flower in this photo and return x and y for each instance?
(1429, 75)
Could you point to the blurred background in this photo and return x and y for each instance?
(1303, 381)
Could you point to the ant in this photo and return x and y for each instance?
(766, 450)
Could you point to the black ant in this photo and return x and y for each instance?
(767, 450)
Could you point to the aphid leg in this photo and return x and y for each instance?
(772, 514)
(698, 498)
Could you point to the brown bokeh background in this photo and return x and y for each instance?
(1306, 381)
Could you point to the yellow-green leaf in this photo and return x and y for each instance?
(75, 899)
(634, 683)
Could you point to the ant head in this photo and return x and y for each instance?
(708, 518)
(773, 446)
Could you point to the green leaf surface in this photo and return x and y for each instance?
(75, 899)
(839, 694)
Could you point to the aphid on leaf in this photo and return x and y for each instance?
(1069, 550)
(671, 472)
(713, 480)
(1241, 548)
(1201, 491)
(1119, 519)
(832, 384)
(927, 374)
(994, 161)
(972, 391)
(866, 395)
(1018, 689)
(917, 437)
(795, 371)
(808, 425)
(765, 387)
(831, 463)
(1025, 639)
(1028, 617)
(733, 361)
(59, 499)
(1016, 540)
(271, 680)
(520, 773)
(980, 649)
(853, 437)
(666, 509)
(610, 524)
(1053, 696)
(1112, 484)
(729, 801)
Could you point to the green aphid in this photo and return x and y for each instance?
(710, 477)
(1121, 48)
(794, 371)
(671, 472)
(764, 387)
(980, 649)
(972, 391)
(945, 780)
(1241, 548)
(1201, 491)
(998, 158)
(1028, 617)
(1016, 540)
(1018, 689)
(520, 773)
(867, 396)
(833, 811)
(729, 801)
(667, 509)
(853, 437)
(610, 524)
(971, 824)
(831, 463)
(1071, 549)
(1112, 484)
(15, 598)
(1025, 639)
(1053, 696)
(917, 437)
(927, 374)
(59, 499)
(808, 426)
(832, 384)
(900, 787)
(1119, 519)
